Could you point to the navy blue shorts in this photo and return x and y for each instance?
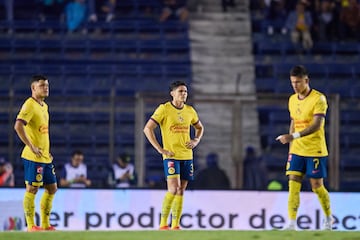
(312, 167)
(175, 168)
(38, 174)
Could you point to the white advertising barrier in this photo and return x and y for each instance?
(11, 215)
(85, 209)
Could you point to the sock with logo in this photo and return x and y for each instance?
(166, 207)
(29, 208)
(324, 199)
(45, 209)
(293, 199)
(177, 210)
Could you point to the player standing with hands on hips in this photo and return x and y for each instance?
(32, 127)
(308, 152)
(175, 118)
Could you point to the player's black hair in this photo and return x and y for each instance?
(299, 71)
(176, 84)
(77, 152)
(36, 78)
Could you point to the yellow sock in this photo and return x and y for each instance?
(294, 199)
(45, 209)
(29, 208)
(176, 211)
(166, 207)
(324, 199)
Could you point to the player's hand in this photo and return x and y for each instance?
(167, 153)
(37, 151)
(285, 138)
(51, 157)
(192, 143)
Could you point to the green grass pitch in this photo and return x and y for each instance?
(182, 235)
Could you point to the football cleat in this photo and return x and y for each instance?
(35, 229)
(164, 228)
(51, 228)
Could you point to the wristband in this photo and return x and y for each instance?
(296, 135)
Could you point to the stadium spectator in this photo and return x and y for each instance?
(7, 178)
(50, 9)
(212, 177)
(308, 151)
(326, 21)
(350, 21)
(107, 7)
(174, 8)
(123, 172)
(275, 15)
(299, 23)
(175, 119)
(32, 127)
(255, 173)
(75, 14)
(74, 174)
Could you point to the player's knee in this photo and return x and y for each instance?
(51, 189)
(180, 190)
(32, 189)
(315, 186)
(295, 178)
(172, 190)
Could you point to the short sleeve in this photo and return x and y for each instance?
(158, 115)
(321, 106)
(195, 118)
(26, 112)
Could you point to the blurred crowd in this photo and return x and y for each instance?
(310, 20)
(77, 13)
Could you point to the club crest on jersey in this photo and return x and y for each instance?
(181, 119)
(39, 169)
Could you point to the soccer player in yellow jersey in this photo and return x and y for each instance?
(308, 152)
(32, 127)
(175, 119)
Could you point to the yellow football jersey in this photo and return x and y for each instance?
(302, 112)
(36, 117)
(175, 128)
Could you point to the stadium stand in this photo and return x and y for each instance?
(134, 52)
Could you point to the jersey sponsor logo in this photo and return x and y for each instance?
(179, 128)
(39, 169)
(39, 177)
(171, 170)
